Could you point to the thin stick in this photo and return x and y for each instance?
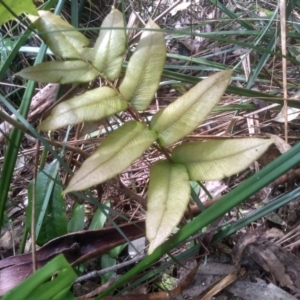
(284, 75)
(167, 10)
(33, 207)
(23, 128)
(158, 17)
(109, 269)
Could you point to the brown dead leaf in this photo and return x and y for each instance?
(264, 256)
(187, 280)
(281, 144)
(11, 238)
(271, 154)
(77, 248)
(218, 286)
(248, 289)
(284, 266)
(254, 236)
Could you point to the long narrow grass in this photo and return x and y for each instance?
(15, 138)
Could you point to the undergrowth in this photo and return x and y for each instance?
(201, 39)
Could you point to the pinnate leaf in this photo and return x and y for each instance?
(185, 114)
(214, 160)
(91, 106)
(168, 196)
(145, 68)
(116, 153)
(61, 37)
(107, 54)
(60, 72)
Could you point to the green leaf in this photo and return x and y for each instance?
(91, 106)
(185, 114)
(116, 153)
(145, 68)
(214, 160)
(18, 7)
(61, 37)
(50, 206)
(106, 262)
(115, 252)
(60, 72)
(99, 217)
(107, 54)
(76, 223)
(42, 284)
(168, 196)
